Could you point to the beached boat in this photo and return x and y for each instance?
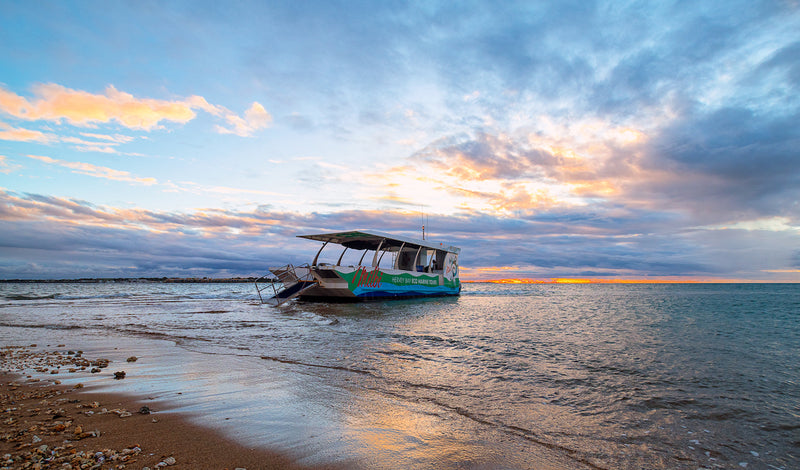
(415, 268)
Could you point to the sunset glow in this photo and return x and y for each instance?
(585, 281)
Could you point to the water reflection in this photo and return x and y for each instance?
(546, 374)
(435, 395)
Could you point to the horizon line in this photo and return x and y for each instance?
(555, 280)
(622, 281)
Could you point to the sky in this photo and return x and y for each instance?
(571, 139)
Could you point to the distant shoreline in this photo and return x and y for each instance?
(165, 280)
(233, 280)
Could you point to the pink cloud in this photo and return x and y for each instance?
(53, 102)
(255, 118)
(18, 134)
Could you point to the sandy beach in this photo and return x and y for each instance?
(46, 424)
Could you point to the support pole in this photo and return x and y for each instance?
(377, 250)
(314, 263)
(339, 263)
(397, 259)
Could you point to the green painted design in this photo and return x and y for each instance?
(362, 278)
(453, 284)
(406, 279)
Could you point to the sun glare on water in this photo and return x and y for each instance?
(581, 281)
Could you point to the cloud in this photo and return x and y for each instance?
(95, 171)
(725, 165)
(68, 236)
(104, 143)
(18, 134)
(486, 157)
(35, 207)
(116, 138)
(255, 118)
(538, 167)
(46, 237)
(53, 102)
(717, 165)
(95, 251)
(6, 167)
(91, 146)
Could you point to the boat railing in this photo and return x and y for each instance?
(281, 278)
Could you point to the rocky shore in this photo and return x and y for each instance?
(45, 424)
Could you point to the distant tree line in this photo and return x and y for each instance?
(167, 280)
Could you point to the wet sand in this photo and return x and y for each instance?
(45, 424)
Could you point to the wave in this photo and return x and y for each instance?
(160, 296)
(217, 296)
(30, 297)
(48, 326)
(65, 297)
(134, 329)
(121, 295)
(320, 366)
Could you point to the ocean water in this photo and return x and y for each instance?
(614, 376)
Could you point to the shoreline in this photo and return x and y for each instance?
(135, 280)
(514, 281)
(61, 426)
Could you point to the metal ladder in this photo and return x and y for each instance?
(291, 284)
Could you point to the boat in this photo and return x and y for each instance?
(415, 268)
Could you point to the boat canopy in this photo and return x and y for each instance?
(372, 240)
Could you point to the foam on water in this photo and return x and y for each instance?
(506, 376)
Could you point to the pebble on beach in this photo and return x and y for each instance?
(168, 462)
(38, 431)
(46, 426)
(37, 442)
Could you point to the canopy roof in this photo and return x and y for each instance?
(371, 239)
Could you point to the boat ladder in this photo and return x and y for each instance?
(287, 282)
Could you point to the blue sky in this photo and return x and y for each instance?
(634, 140)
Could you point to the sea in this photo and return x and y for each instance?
(505, 376)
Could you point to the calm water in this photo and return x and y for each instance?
(518, 376)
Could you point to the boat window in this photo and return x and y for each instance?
(337, 255)
(437, 261)
(378, 264)
(349, 257)
(405, 258)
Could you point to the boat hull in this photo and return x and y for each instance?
(360, 283)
